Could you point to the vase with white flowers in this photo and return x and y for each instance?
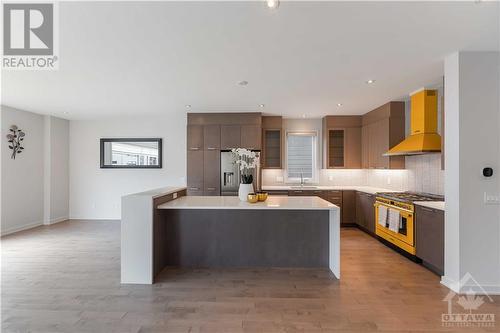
(247, 161)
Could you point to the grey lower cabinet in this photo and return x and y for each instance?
(365, 211)
(195, 172)
(211, 172)
(429, 236)
(348, 207)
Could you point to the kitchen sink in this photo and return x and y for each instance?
(304, 187)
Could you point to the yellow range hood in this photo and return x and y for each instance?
(424, 137)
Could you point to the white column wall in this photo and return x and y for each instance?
(472, 227)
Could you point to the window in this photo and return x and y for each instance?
(301, 156)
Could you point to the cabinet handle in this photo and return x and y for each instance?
(194, 188)
(427, 209)
(194, 148)
(211, 148)
(210, 188)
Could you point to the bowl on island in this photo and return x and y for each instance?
(252, 197)
(262, 196)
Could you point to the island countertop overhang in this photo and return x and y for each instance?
(228, 202)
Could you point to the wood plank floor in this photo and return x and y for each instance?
(66, 278)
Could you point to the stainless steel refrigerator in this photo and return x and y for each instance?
(230, 175)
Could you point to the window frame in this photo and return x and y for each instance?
(103, 165)
(315, 154)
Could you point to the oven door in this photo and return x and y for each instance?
(404, 237)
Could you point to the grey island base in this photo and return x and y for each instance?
(194, 231)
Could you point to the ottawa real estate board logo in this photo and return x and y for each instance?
(470, 316)
(30, 39)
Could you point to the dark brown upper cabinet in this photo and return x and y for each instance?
(342, 142)
(207, 135)
(230, 136)
(251, 137)
(211, 137)
(383, 128)
(194, 137)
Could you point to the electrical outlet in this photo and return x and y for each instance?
(388, 180)
(279, 179)
(330, 178)
(175, 195)
(490, 199)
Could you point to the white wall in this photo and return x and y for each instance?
(22, 178)
(95, 193)
(56, 170)
(35, 186)
(472, 243)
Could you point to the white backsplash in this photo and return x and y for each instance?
(422, 174)
(425, 174)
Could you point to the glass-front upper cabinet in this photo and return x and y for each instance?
(272, 149)
(336, 144)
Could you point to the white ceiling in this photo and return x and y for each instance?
(304, 58)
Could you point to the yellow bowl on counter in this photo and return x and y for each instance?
(252, 197)
(262, 196)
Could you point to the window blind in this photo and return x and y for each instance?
(300, 155)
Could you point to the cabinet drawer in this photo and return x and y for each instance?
(297, 193)
(334, 194)
(195, 189)
(277, 192)
(318, 193)
(211, 191)
(335, 201)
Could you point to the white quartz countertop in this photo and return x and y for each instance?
(366, 189)
(158, 192)
(272, 202)
(431, 204)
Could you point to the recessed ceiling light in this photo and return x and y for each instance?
(370, 81)
(261, 105)
(303, 116)
(243, 83)
(339, 104)
(66, 112)
(188, 106)
(273, 4)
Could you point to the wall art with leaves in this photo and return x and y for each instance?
(16, 138)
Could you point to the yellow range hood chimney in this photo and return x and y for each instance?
(424, 137)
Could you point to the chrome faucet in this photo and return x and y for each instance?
(302, 182)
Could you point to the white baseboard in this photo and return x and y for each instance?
(94, 219)
(57, 220)
(9, 231)
(490, 290)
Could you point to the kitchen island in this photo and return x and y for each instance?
(215, 231)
